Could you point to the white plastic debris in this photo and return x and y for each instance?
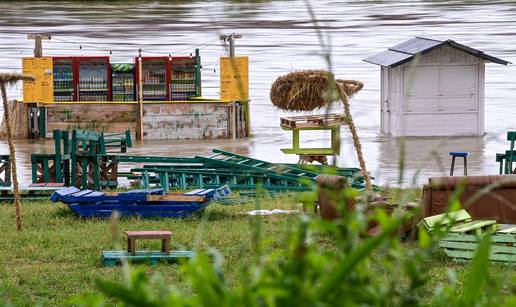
(270, 212)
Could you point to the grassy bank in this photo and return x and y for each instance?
(57, 255)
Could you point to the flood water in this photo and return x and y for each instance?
(278, 37)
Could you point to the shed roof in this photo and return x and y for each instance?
(407, 50)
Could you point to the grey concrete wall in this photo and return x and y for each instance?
(161, 121)
(186, 121)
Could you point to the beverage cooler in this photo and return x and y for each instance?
(65, 80)
(155, 76)
(123, 82)
(94, 79)
(183, 84)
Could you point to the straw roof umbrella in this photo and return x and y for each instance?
(307, 90)
(10, 79)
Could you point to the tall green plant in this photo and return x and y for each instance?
(327, 263)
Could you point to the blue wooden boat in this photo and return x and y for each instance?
(144, 203)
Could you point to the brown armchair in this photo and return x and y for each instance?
(499, 203)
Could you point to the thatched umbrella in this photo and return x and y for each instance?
(11, 79)
(307, 90)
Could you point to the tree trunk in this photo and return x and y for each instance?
(356, 140)
(16, 191)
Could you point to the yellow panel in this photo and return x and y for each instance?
(42, 89)
(234, 78)
(28, 86)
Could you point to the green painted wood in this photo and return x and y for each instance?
(111, 258)
(470, 255)
(473, 246)
(498, 238)
(511, 230)
(255, 164)
(156, 159)
(198, 87)
(475, 225)
(296, 148)
(445, 219)
(309, 151)
(42, 122)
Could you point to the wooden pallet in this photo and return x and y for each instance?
(462, 247)
(462, 223)
(312, 121)
(112, 258)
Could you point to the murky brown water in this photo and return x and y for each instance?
(279, 36)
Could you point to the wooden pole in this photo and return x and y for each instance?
(139, 134)
(38, 44)
(38, 53)
(230, 38)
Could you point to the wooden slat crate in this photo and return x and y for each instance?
(462, 247)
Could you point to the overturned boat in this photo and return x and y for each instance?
(143, 203)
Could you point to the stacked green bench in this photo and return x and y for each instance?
(85, 159)
(237, 171)
(465, 233)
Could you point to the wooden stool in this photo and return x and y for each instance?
(459, 154)
(162, 235)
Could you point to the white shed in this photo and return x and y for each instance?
(432, 88)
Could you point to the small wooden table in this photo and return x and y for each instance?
(162, 235)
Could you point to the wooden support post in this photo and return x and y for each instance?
(230, 38)
(233, 121)
(198, 92)
(335, 140)
(38, 44)
(38, 53)
(139, 128)
(57, 160)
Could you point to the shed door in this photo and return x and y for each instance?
(438, 96)
(446, 88)
(459, 88)
(385, 119)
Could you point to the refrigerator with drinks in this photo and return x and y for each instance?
(94, 82)
(64, 73)
(123, 82)
(183, 83)
(155, 75)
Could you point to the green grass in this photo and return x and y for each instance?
(57, 256)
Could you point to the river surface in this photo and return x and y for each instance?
(279, 37)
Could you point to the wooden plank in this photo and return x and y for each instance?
(183, 198)
(148, 234)
(473, 246)
(308, 151)
(499, 238)
(470, 255)
(474, 225)
(445, 218)
(511, 230)
(112, 258)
